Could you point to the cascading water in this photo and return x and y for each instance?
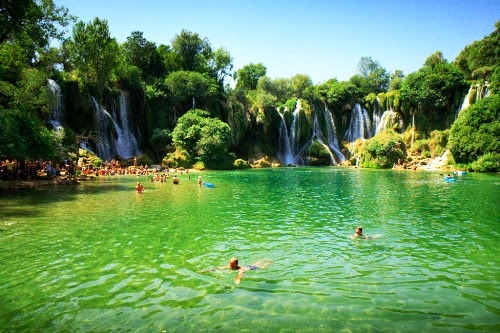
(377, 115)
(359, 126)
(114, 135)
(387, 120)
(285, 152)
(295, 128)
(126, 144)
(332, 135)
(56, 105)
(290, 151)
(105, 139)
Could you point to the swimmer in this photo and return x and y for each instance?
(139, 187)
(359, 234)
(175, 180)
(234, 266)
(199, 180)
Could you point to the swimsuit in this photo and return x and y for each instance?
(251, 267)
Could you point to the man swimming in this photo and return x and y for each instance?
(234, 265)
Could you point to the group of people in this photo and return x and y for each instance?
(13, 169)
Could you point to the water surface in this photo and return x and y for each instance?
(99, 257)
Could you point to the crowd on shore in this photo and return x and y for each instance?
(14, 170)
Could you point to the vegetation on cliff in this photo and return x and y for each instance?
(184, 112)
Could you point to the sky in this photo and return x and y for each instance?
(324, 39)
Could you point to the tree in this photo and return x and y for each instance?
(248, 76)
(192, 51)
(300, 83)
(94, 52)
(204, 139)
(476, 133)
(433, 89)
(144, 55)
(221, 64)
(479, 59)
(183, 87)
(336, 93)
(32, 23)
(396, 80)
(370, 77)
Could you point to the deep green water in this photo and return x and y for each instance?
(99, 257)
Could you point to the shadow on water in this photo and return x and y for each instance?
(34, 198)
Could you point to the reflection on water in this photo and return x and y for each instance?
(100, 257)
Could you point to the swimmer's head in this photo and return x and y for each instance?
(359, 231)
(233, 263)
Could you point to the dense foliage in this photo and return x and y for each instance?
(475, 136)
(202, 139)
(382, 151)
(185, 113)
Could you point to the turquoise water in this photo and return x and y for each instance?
(99, 257)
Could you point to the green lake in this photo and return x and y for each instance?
(99, 257)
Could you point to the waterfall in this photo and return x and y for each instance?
(126, 144)
(386, 121)
(114, 134)
(285, 151)
(56, 105)
(359, 125)
(291, 152)
(332, 135)
(295, 128)
(318, 135)
(105, 138)
(377, 115)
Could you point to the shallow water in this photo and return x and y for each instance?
(99, 257)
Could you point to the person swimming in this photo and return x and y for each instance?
(359, 234)
(234, 265)
(139, 187)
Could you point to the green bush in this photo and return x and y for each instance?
(476, 132)
(487, 162)
(383, 150)
(241, 164)
(199, 166)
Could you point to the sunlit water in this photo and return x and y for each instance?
(99, 257)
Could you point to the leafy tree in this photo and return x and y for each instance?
(476, 132)
(183, 87)
(144, 55)
(281, 89)
(431, 91)
(371, 77)
(248, 76)
(94, 52)
(396, 80)
(24, 136)
(336, 93)
(300, 83)
(192, 51)
(479, 59)
(204, 139)
(31, 23)
(221, 64)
